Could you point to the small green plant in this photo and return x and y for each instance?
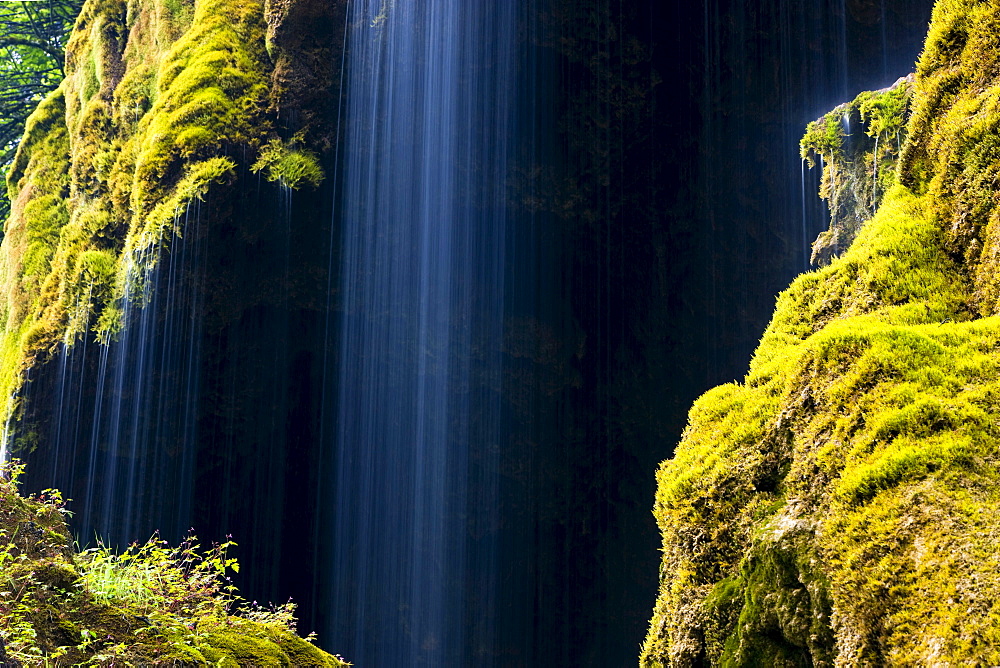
(824, 138)
(176, 586)
(291, 167)
(150, 604)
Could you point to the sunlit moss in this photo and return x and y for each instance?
(159, 97)
(954, 152)
(872, 382)
(290, 166)
(837, 506)
(38, 182)
(858, 145)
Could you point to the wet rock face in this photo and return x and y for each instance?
(305, 39)
(857, 145)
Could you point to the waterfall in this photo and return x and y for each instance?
(418, 435)
(185, 417)
(806, 241)
(117, 418)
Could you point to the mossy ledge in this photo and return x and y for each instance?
(838, 506)
(165, 102)
(857, 144)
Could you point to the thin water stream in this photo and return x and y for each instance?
(418, 424)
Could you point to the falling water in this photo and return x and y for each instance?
(806, 241)
(418, 423)
(120, 427)
(162, 427)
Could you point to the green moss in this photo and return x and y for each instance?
(212, 82)
(953, 153)
(96, 265)
(38, 181)
(837, 507)
(263, 645)
(43, 150)
(158, 98)
(246, 650)
(184, 655)
(289, 166)
(90, 82)
(858, 168)
(179, 13)
(824, 138)
(301, 653)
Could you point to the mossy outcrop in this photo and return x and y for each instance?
(171, 111)
(164, 101)
(837, 506)
(857, 144)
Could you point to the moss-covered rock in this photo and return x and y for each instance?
(245, 645)
(38, 183)
(954, 152)
(857, 144)
(236, 648)
(303, 38)
(837, 506)
(164, 101)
